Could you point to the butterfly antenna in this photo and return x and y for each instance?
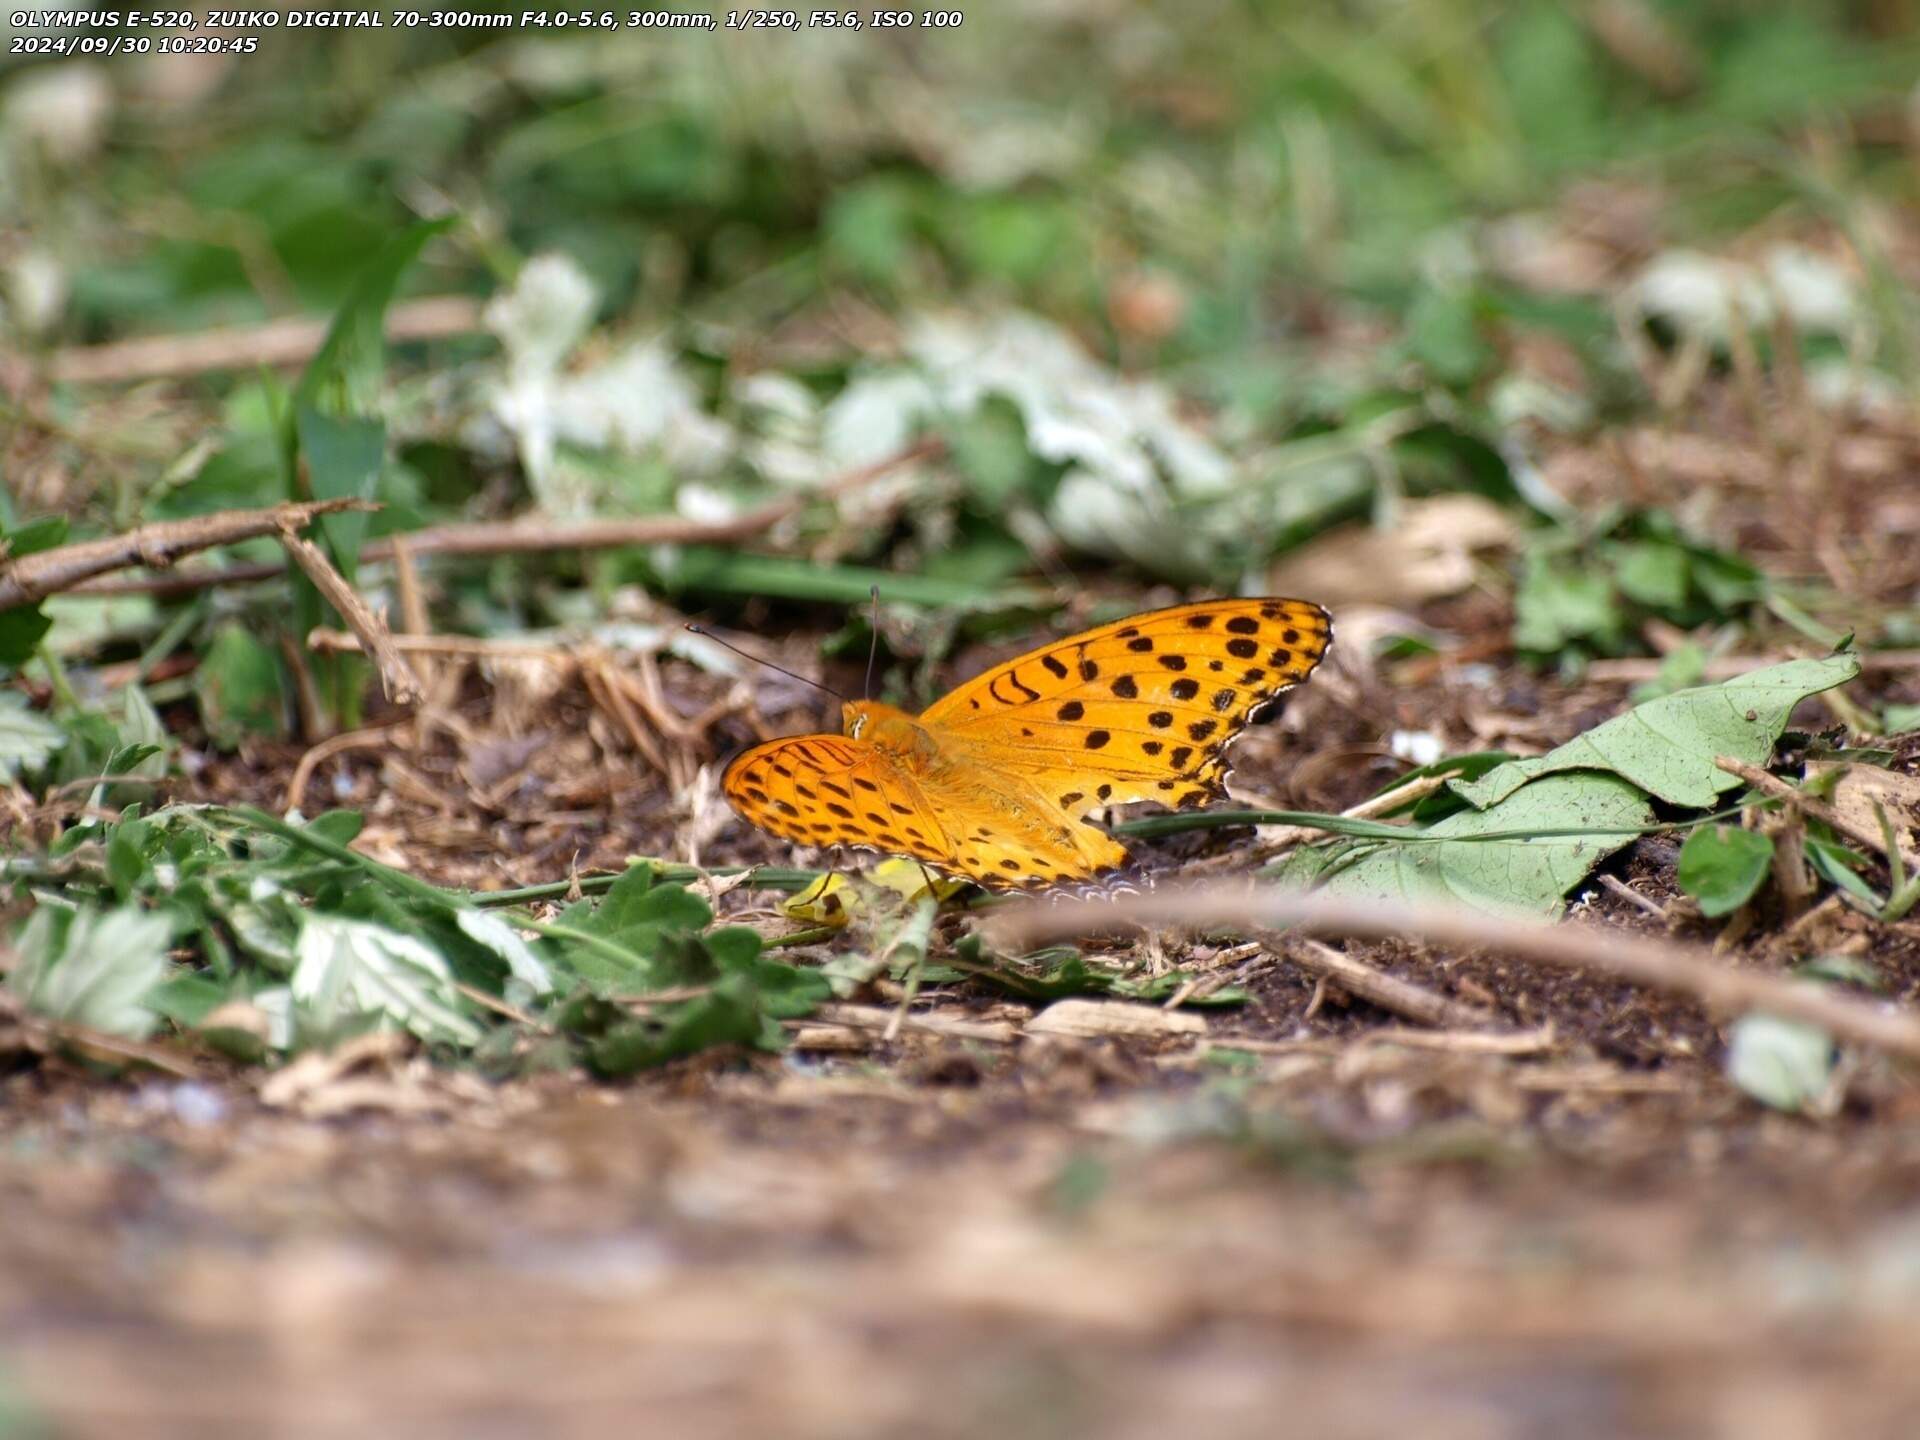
(729, 645)
(873, 645)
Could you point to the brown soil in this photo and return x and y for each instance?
(1293, 1228)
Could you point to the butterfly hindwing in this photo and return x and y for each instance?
(1142, 709)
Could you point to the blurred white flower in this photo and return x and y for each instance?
(61, 110)
(36, 289)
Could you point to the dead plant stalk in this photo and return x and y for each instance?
(1660, 964)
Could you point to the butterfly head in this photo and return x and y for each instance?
(882, 725)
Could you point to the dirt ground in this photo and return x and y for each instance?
(1297, 1215)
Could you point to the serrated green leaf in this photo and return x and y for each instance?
(496, 935)
(345, 968)
(1667, 746)
(1525, 877)
(1723, 867)
(93, 968)
(27, 740)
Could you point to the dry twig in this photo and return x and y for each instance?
(397, 679)
(1811, 806)
(49, 572)
(278, 342)
(538, 534)
(1392, 994)
(1660, 964)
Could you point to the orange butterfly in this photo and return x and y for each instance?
(995, 781)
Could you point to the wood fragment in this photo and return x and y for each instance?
(1092, 1019)
(1626, 892)
(1361, 980)
(68, 567)
(875, 1017)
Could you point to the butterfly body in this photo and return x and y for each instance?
(999, 779)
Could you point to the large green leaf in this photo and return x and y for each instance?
(1667, 746)
(1519, 876)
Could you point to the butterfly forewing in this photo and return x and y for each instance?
(834, 790)
(1142, 709)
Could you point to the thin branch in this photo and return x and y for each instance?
(396, 676)
(537, 534)
(1392, 994)
(49, 572)
(1660, 964)
(276, 343)
(1811, 806)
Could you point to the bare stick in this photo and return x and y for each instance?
(34, 577)
(396, 676)
(1392, 994)
(1660, 964)
(1814, 808)
(1632, 896)
(479, 647)
(370, 738)
(537, 534)
(278, 343)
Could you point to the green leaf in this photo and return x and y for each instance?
(1787, 1064)
(1557, 603)
(868, 227)
(343, 378)
(34, 536)
(496, 935)
(1443, 331)
(93, 968)
(1526, 877)
(347, 968)
(1667, 746)
(344, 456)
(1652, 573)
(21, 630)
(27, 740)
(729, 1014)
(239, 689)
(1723, 867)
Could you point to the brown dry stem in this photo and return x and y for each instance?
(49, 572)
(536, 534)
(1659, 964)
(397, 679)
